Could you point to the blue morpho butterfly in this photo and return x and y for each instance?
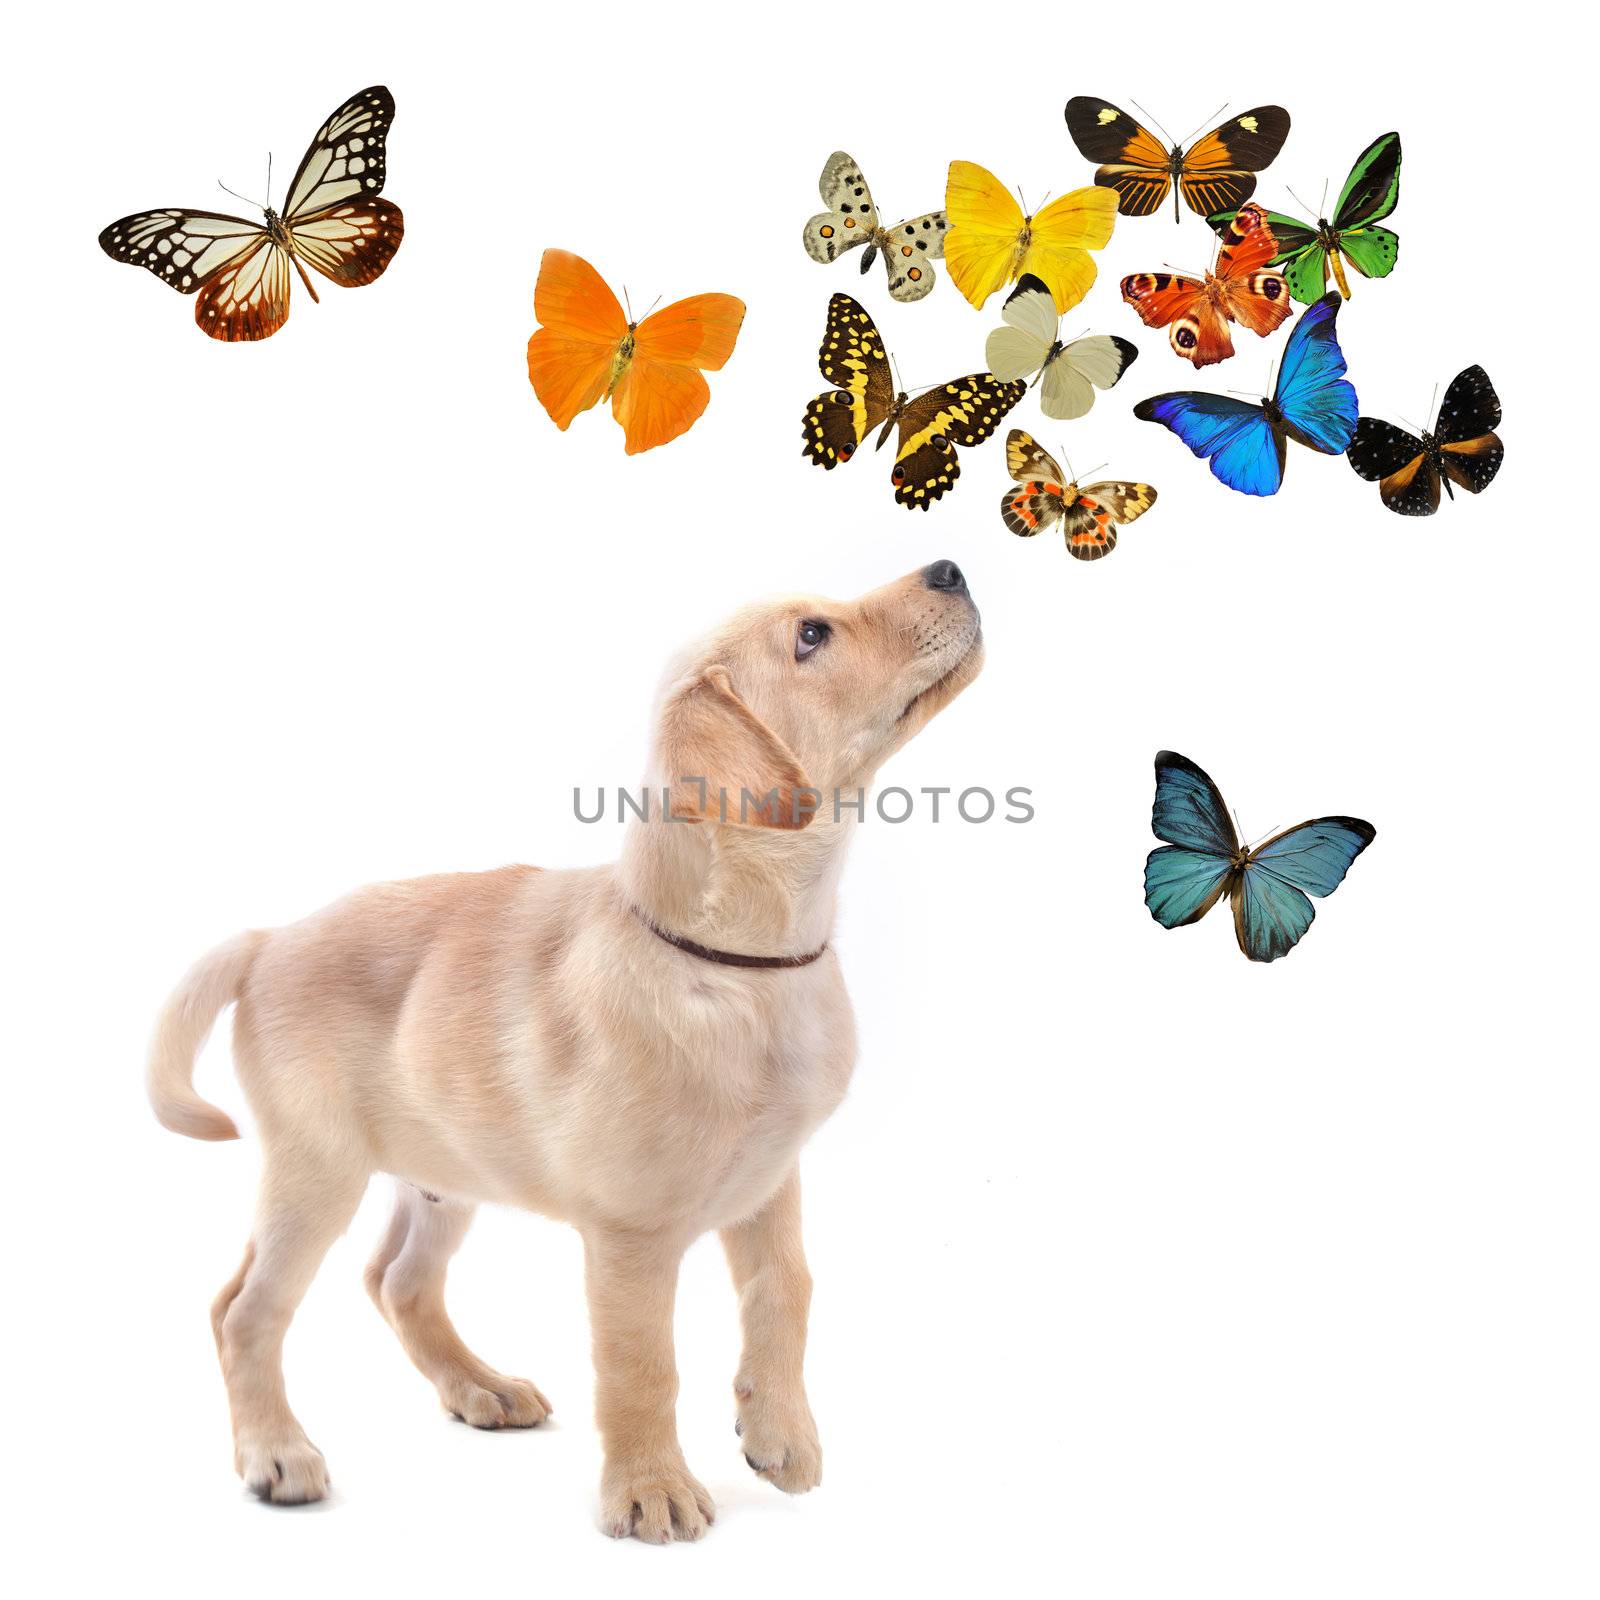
(1244, 442)
(1268, 885)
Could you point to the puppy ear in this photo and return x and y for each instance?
(724, 764)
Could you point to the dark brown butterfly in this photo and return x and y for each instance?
(1142, 170)
(965, 411)
(1465, 450)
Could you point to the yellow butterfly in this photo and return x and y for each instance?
(991, 243)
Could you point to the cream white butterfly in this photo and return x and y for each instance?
(332, 218)
(851, 220)
(1030, 342)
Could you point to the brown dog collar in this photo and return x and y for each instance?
(727, 958)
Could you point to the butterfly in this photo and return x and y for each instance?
(991, 242)
(1088, 516)
(1312, 403)
(1030, 342)
(1203, 859)
(851, 220)
(1239, 290)
(1215, 173)
(587, 350)
(332, 218)
(965, 411)
(1465, 450)
(1370, 193)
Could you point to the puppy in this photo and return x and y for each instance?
(638, 1049)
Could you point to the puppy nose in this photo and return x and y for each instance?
(944, 575)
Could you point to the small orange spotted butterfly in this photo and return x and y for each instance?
(1088, 516)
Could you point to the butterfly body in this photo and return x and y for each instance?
(1089, 515)
(851, 221)
(965, 411)
(1245, 443)
(1142, 170)
(1203, 859)
(1465, 450)
(332, 220)
(1242, 289)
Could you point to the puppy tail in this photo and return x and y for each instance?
(213, 983)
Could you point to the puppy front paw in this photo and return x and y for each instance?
(287, 1470)
(653, 1500)
(779, 1436)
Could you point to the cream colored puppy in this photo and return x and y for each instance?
(638, 1049)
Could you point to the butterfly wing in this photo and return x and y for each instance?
(963, 412)
(1270, 908)
(853, 359)
(1319, 406)
(1408, 482)
(1183, 882)
(912, 245)
(1468, 445)
(1061, 237)
(1244, 449)
(1300, 256)
(239, 273)
(1019, 348)
(573, 354)
(1070, 380)
(1100, 509)
(1218, 171)
(1372, 190)
(1134, 162)
(849, 219)
(660, 393)
(1038, 500)
(1253, 294)
(985, 231)
(334, 216)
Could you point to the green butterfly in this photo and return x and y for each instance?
(1370, 193)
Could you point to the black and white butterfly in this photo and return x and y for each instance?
(1464, 450)
(332, 219)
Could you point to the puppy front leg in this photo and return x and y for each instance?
(769, 1271)
(645, 1487)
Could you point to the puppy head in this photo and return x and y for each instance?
(806, 695)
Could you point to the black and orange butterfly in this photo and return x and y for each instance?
(1465, 449)
(965, 411)
(332, 218)
(1142, 169)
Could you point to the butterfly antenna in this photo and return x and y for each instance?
(1433, 405)
(1262, 840)
(628, 303)
(1322, 205)
(653, 304)
(1411, 425)
(237, 196)
(1304, 207)
(1170, 139)
(268, 205)
(1212, 118)
(1236, 822)
(1091, 472)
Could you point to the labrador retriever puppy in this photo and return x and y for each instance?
(639, 1049)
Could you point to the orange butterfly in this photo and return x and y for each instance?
(587, 351)
(1240, 290)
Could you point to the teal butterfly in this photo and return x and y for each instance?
(1203, 860)
(1305, 254)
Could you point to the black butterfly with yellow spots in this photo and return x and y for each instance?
(965, 411)
(1216, 173)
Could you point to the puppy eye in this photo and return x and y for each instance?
(809, 636)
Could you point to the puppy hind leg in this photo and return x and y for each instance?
(300, 1212)
(406, 1281)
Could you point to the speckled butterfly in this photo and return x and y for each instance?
(332, 219)
(1089, 516)
(908, 248)
(963, 412)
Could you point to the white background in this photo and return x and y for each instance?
(1142, 1270)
